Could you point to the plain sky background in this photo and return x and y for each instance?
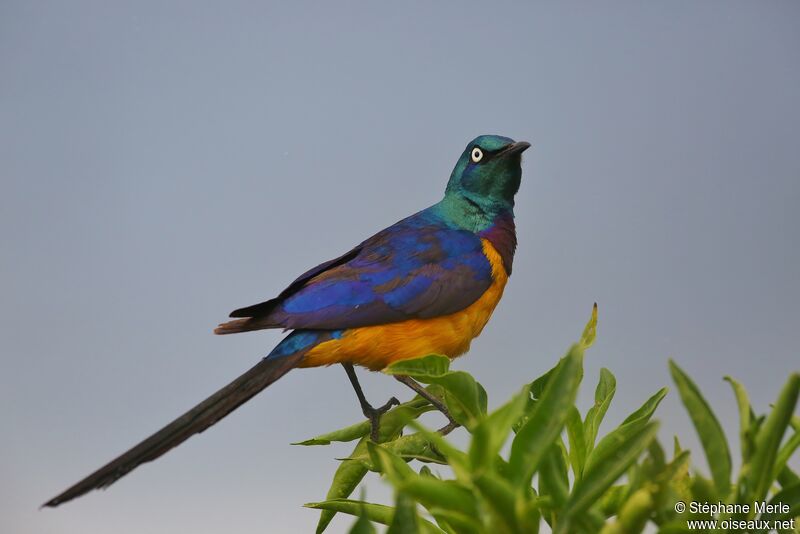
(164, 163)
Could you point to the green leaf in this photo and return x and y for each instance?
(465, 397)
(646, 410)
(390, 464)
(544, 424)
(405, 520)
(789, 496)
(501, 498)
(536, 390)
(347, 477)
(590, 331)
(456, 522)
(786, 452)
(677, 527)
(378, 513)
(763, 469)
(743, 402)
(409, 447)
(657, 455)
(613, 499)
(458, 460)
(635, 420)
(603, 395)
(350, 433)
(362, 525)
(667, 485)
(430, 492)
(632, 440)
(402, 413)
(553, 478)
(633, 515)
(675, 469)
(703, 489)
(530, 516)
(708, 429)
(350, 472)
(787, 477)
(491, 432)
(537, 387)
(577, 441)
(425, 471)
(430, 365)
(433, 493)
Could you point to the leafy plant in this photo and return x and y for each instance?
(557, 469)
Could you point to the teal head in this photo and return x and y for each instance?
(488, 173)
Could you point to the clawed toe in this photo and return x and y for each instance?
(386, 407)
(374, 416)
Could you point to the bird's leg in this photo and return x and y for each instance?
(433, 399)
(373, 414)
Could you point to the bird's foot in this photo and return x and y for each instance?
(435, 401)
(374, 416)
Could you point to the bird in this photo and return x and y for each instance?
(427, 284)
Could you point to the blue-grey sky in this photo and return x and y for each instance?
(164, 163)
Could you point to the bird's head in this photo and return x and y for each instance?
(488, 173)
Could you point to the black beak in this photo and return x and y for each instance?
(515, 148)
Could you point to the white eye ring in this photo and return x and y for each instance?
(477, 154)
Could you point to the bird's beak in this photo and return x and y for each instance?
(515, 148)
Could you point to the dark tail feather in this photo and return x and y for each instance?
(195, 420)
(243, 325)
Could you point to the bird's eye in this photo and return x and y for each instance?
(477, 154)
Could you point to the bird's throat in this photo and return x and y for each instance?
(473, 214)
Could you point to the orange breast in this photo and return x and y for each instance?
(377, 346)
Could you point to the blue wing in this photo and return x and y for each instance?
(417, 268)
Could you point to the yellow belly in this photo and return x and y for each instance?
(377, 346)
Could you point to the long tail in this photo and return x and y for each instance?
(244, 325)
(195, 420)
